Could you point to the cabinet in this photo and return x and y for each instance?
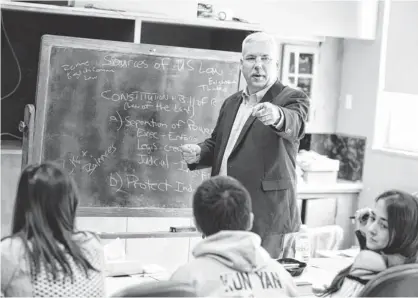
(318, 77)
(299, 70)
(25, 23)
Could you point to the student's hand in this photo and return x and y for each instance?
(362, 218)
(267, 113)
(190, 153)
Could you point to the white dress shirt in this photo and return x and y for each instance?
(244, 111)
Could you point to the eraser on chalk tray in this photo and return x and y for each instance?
(182, 229)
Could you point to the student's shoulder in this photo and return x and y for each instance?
(193, 269)
(12, 244)
(13, 251)
(88, 238)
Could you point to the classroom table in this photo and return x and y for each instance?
(318, 272)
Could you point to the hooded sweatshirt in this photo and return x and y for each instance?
(233, 264)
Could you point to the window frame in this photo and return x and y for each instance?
(390, 103)
(392, 107)
(287, 50)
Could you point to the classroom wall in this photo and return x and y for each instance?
(353, 19)
(325, 103)
(360, 76)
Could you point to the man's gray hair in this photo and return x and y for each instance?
(263, 37)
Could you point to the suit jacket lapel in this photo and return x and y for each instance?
(274, 90)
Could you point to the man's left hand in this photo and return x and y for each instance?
(267, 113)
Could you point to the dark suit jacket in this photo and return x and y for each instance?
(263, 159)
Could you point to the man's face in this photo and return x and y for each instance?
(259, 65)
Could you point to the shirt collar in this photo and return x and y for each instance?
(255, 97)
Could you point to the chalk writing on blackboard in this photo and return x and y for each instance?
(115, 121)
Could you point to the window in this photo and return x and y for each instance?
(396, 128)
(298, 69)
(396, 123)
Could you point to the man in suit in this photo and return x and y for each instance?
(256, 140)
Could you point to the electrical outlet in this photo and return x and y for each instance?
(348, 101)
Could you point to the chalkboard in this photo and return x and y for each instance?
(113, 114)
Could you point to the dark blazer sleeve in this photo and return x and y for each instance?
(295, 109)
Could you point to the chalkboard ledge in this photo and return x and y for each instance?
(128, 235)
(133, 212)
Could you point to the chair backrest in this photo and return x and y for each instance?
(398, 281)
(320, 238)
(325, 238)
(166, 288)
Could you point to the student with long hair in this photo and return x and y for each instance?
(388, 237)
(45, 255)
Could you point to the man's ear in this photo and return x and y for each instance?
(250, 222)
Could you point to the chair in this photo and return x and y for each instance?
(398, 281)
(166, 288)
(325, 238)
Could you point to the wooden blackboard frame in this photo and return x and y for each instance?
(50, 41)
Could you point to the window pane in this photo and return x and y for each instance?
(305, 85)
(306, 63)
(402, 129)
(292, 63)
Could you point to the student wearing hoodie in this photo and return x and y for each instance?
(230, 261)
(388, 236)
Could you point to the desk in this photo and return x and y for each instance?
(114, 284)
(320, 271)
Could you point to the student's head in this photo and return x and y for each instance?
(393, 224)
(259, 63)
(44, 215)
(392, 228)
(46, 201)
(222, 203)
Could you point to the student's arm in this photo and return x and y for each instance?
(9, 265)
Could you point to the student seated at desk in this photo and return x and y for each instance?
(45, 256)
(230, 260)
(388, 236)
